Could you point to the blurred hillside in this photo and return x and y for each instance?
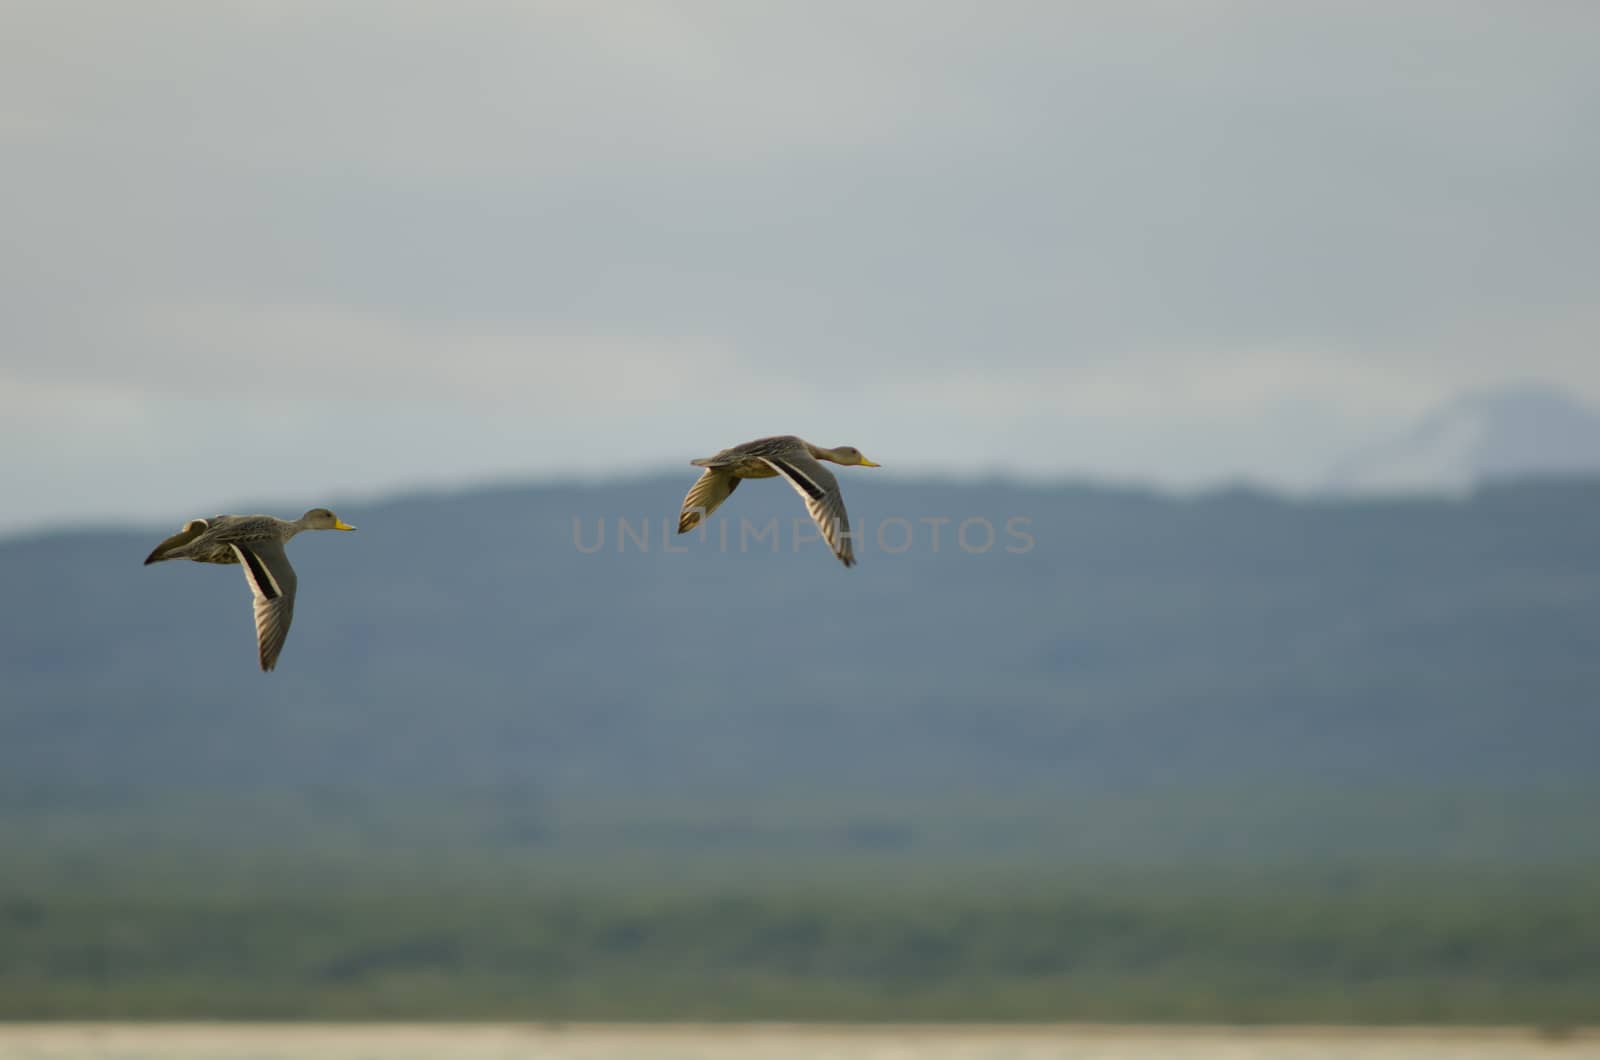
(1327, 678)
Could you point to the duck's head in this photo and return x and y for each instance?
(850, 456)
(322, 519)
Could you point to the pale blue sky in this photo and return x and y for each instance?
(296, 252)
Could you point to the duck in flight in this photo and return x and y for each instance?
(256, 543)
(791, 458)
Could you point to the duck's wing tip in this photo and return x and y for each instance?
(707, 494)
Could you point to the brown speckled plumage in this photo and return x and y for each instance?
(791, 458)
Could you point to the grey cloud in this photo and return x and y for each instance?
(1354, 205)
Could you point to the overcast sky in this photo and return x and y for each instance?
(297, 252)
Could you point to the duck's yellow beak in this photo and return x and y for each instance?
(867, 463)
(340, 524)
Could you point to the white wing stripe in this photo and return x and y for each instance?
(262, 583)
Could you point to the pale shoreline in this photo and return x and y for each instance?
(738, 1030)
(778, 1041)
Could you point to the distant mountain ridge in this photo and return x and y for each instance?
(1509, 432)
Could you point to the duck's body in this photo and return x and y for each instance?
(781, 456)
(750, 460)
(255, 542)
(212, 540)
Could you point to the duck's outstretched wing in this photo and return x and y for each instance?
(713, 487)
(820, 490)
(191, 530)
(272, 583)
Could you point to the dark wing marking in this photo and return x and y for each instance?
(272, 583)
(262, 583)
(820, 490)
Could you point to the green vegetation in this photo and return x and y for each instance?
(345, 904)
(256, 939)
